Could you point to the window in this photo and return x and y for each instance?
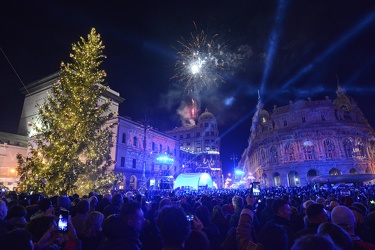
(199, 149)
(123, 140)
(309, 152)
(122, 162)
(323, 118)
(181, 136)
(285, 123)
(152, 167)
(160, 148)
(198, 134)
(274, 156)
(212, 133)
(206, 133)
(206, 125)
(348, 148)
(289, 152)
(134, 163)
(188, 136)
(154, 148)
(135, 141)
(303, 119)
(329, 148)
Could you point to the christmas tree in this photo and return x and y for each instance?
(70, 151)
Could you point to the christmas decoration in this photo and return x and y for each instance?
(70, 152)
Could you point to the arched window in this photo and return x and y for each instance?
(264, 179)
(277, 179)
(290, 152)
(353, 171)
(123, 139)
(263, 155)
(312, 173)
(329, 148)
(348, 148)
(335, 171)
(293, 179)
(274, 159)
(368, 170)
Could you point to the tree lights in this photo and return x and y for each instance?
(70, 151)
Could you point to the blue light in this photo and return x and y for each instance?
(165, 159)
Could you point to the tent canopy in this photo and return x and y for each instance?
(193, 180)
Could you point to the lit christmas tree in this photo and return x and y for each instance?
(70, 151)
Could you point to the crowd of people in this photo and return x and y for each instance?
(209, 219)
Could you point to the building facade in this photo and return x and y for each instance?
(144, 156)
(10, 146)
(200, 147)
(291, 145)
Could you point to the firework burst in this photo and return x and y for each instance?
(200, 61)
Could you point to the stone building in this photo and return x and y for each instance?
(297, 143)
(141, 166)
(200, 147)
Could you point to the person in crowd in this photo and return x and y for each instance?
(209, 229)
(197, 240)
(33, 207)
(222, 224)
(18, 239)
(102, 203)
(93, 203)
(45, 208)
(316, 215)
(282, 213)
(17, 216)
(44, 234)
(344, 217)
(362, 230)
(92, 233)
(123, 231)
(5, 226)
(338, 235)
(313, 242)
(174, 227)
(115, 206)
(267, 213)
(238, 204)
(63, 202)
(82, 209)
(272, 236)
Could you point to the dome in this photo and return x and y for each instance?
(206, 116)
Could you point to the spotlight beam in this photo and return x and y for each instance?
(362, 25)
(273, 42)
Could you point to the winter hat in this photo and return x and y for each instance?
(359, 207)
(342, 215)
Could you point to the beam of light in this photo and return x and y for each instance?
(362, 25)
(273, 42)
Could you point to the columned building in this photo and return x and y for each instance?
(310, 140)
(200, 147)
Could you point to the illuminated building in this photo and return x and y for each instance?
(200, 147)
(142, 167)
(10, 146)
(310, 141)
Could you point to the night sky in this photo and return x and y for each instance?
(295, 50)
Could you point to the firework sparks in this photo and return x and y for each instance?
(201, 62)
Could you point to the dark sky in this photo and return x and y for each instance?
(296, 49)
